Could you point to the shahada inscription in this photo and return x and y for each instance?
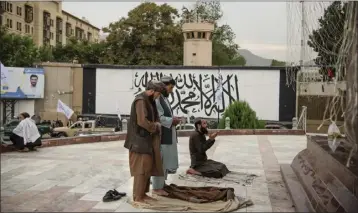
(194, 92)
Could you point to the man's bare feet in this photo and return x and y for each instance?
(192, 171)
(146, 197)
(140, 200)
(160, 192)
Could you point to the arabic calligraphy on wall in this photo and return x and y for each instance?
(195, 92)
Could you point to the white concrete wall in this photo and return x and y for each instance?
(116, 88)
(25, 106)
(20, 106)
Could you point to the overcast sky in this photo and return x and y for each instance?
(260, 27)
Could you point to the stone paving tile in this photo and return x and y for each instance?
(75, 178)
(60, 203)
(19, 198)
(80, 206)
(279, 198)
(43, 186)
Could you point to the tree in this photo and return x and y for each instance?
(16, 50)
(80, 50)
(276, 63)
(149, 35)
(327, 39)
(241, 117)
(225, 50)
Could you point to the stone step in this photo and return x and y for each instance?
(298, 194)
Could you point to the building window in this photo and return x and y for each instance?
(19, 11)
(190, 35)
(89, 36)
(46, 37)
(52, 35)
(68, 29)
(0, 20)
(32, 30)
(2, 6)
(203, 35)
(59, 25)
(9, 23)
(46, 18)
(79, 33)
(27, 29)
(29, 14)
(58, 39)
(18, 26)
(51, 22)
(9, 7)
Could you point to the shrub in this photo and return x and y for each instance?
(241, 117)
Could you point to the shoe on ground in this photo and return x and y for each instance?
(111, 196)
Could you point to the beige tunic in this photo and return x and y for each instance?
(144, 164)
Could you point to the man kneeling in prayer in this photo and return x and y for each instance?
(198, 145)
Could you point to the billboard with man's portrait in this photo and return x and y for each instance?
(22, 83)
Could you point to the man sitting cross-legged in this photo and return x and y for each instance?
(198, 145)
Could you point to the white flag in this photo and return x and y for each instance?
(219, 89)
(62, 107)
(118, 111)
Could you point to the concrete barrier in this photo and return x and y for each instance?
(121, 136)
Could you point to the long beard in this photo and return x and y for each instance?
(165, 93)
(151, 98)
(204, 130)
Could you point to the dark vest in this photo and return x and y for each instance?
(138, 139)
(166, 132)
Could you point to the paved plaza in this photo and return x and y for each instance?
(75, 177)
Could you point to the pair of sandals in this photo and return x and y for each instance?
(113, 195)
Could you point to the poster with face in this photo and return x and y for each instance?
(24, 83)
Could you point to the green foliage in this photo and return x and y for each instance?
(327, 39)
(276, 63)
(16, 50)
(150, 35)
(241, 117)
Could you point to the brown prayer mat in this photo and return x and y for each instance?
(243, 179)
(196, 199)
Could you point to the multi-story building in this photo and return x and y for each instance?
(45, 22)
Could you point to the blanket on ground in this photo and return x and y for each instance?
(233, 177)
(196, 199)
(212, 169)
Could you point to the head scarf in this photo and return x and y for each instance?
(167, 80)
(155, 85)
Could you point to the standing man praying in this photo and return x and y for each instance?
(143, 140)
(169, 140)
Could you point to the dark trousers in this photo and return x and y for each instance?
(18, 142)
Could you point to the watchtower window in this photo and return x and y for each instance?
(204, 35)
(188, 35)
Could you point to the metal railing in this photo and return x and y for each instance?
(302, 121)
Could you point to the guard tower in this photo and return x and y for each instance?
(197, 42)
